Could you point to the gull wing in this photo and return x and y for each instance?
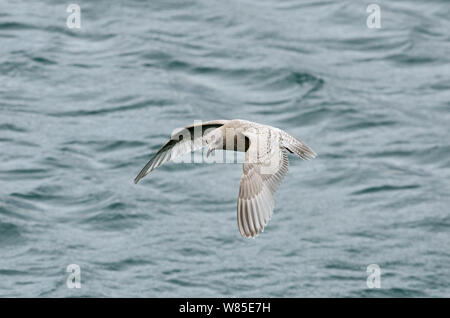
(182, 142)
(260, 179)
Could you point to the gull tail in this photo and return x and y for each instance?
(293, 145)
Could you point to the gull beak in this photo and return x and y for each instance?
(209, 151)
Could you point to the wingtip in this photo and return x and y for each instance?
(252, 235)
(137, 179)
(141, 175)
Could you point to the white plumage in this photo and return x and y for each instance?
(265, 165)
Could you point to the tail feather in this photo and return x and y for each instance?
(296, 146)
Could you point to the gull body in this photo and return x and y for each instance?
(265, 164)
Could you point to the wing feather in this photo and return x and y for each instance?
(255, 201)
(178, 145)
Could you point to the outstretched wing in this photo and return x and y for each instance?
(182, 142)
(258, 185)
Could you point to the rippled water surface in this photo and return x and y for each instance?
(81, 112)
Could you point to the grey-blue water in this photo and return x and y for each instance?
(82, 110)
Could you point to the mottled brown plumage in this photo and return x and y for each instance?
(265, 165)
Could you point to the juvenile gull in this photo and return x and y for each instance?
(265, 164)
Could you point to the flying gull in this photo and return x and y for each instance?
(265, 164)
